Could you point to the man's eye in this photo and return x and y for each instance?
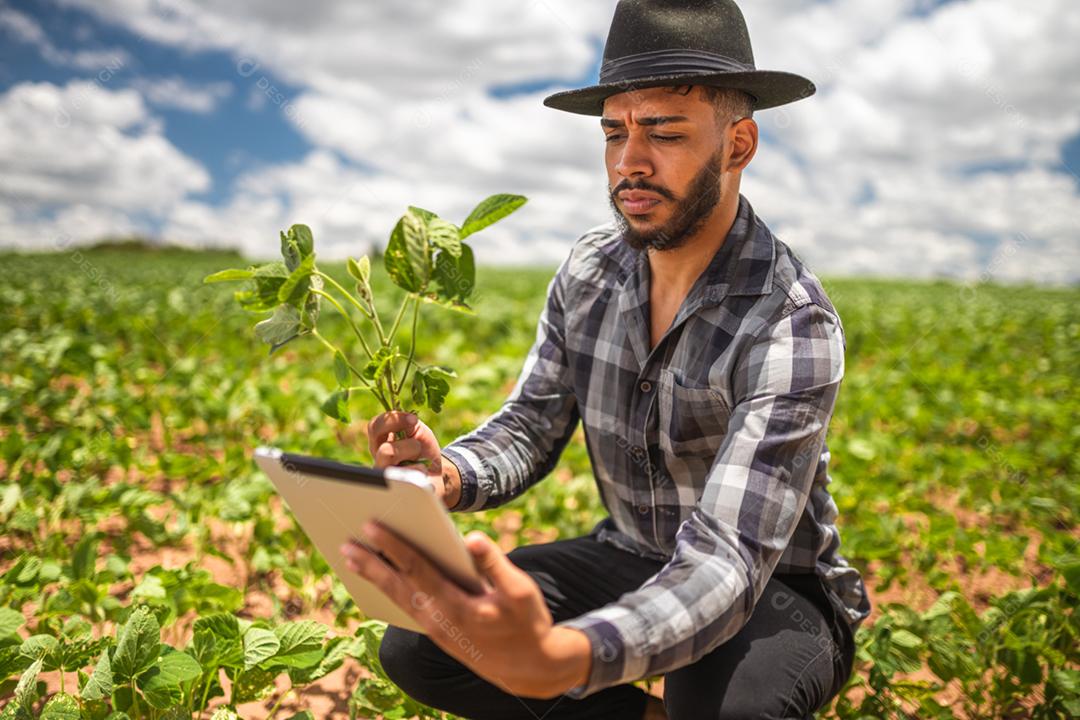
(661, 138)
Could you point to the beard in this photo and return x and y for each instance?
(688, 215)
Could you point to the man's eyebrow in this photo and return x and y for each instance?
(658, 120)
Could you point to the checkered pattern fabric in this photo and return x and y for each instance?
(708, 450)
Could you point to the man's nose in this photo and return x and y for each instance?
(633, 158)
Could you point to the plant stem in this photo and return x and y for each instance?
(412, 344)
(378, 324)
(397, 318)
(373, 315)
(373, 388)
(134, 698)
(206, 692)
(348, 318)
(274, 709)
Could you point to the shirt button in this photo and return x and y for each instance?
(643, 509)
(645, 386)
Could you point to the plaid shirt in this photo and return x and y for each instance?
(708, 450)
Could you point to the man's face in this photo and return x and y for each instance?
(664, 158)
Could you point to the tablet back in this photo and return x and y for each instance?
(332, 501)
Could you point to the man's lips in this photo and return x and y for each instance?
(637, 203)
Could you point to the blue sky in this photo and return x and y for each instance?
(926, 151)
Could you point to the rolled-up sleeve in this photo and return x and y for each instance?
(784, 389)
(522, 441)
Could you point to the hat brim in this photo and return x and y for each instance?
(769, 88)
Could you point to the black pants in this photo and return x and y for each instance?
(790, 659)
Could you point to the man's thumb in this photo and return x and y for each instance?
(489, 558)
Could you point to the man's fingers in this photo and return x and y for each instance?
(414, 567)
(378, 573)
(397, 451)
(492, 562)
(387, 423)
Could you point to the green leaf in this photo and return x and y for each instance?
(222, 625)
(381, 363)
(10, 622)
(38, 646)
(253, 684)
(360, 269)
(333, 658)
(407, 258)
(431, 385)
(100, 684)
(259, 644)
(61, 706)
(467, 274)
(227, 275)
(419, 389)
(455, 278)
(301, 644)
(906, 639)
(12, 661)
(341, 369)
(361, 272)
(217, 640)
(296, 245)
(445, 235)
(417, 246)
(84, 557)
(489, 211)
(26, 691)
(176, 712)
(1069, 567)
(426, 215)
(77, 627)
(224, 713)
(302, 715)
(296, 287)
(137, 646)
(279, 328)
(163, 683)
(9, 499)
(14, 711)
(76, 653)
(337, 406)
(262, 294)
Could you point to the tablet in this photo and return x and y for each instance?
(332, 501)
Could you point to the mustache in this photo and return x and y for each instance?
(642, 185)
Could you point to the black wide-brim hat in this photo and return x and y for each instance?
(655, 43)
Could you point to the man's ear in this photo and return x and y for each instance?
(742, 137)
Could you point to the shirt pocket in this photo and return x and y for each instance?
(693, 420)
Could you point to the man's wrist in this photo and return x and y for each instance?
(568, 652)
(451, 479)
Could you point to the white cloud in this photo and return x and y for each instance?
(28, 30)
(874, 174)
(70, 226)
(350, 210)
(80, 159)
(176, 92)
(424, 48)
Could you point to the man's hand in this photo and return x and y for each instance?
(506, 635)
(419, 444)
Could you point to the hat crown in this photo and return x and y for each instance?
(648, 26)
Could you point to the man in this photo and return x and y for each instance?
(704, 360)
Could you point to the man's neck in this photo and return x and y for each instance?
(673, 272)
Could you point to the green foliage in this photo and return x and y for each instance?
(425, 257)
(131, 395)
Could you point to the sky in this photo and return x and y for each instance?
(943, 140)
